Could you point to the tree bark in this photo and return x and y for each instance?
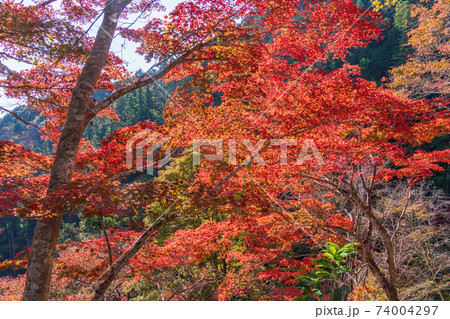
(389, 284)
(389, 289)
(40, 260)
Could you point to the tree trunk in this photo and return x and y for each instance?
(123, 260)
(40, 260)
(389, 289)
(389, 284)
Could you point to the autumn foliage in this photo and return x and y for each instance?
(252, 72)
(425, 73)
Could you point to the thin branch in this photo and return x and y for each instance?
(290, 133)
(123, 260)
(147, 80)
(19, 118)
(187, 288)
(403, 213)
(134, 170)
(106, 238)
(26, 122)
(43, 4)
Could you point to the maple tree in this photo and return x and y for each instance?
(81, 75)
(229, 228)
(361, 130)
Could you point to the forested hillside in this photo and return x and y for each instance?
(361, 215)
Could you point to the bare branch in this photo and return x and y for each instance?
(147, 80)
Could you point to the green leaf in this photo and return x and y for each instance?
(323, 263)
(330, 256)
(323, 272)
(318, 292)
(332, 250)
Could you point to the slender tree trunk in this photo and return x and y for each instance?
(389, 284)
(13, 244)
(40, 260)
(123, 260)
(388, 287)
(11, 256)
